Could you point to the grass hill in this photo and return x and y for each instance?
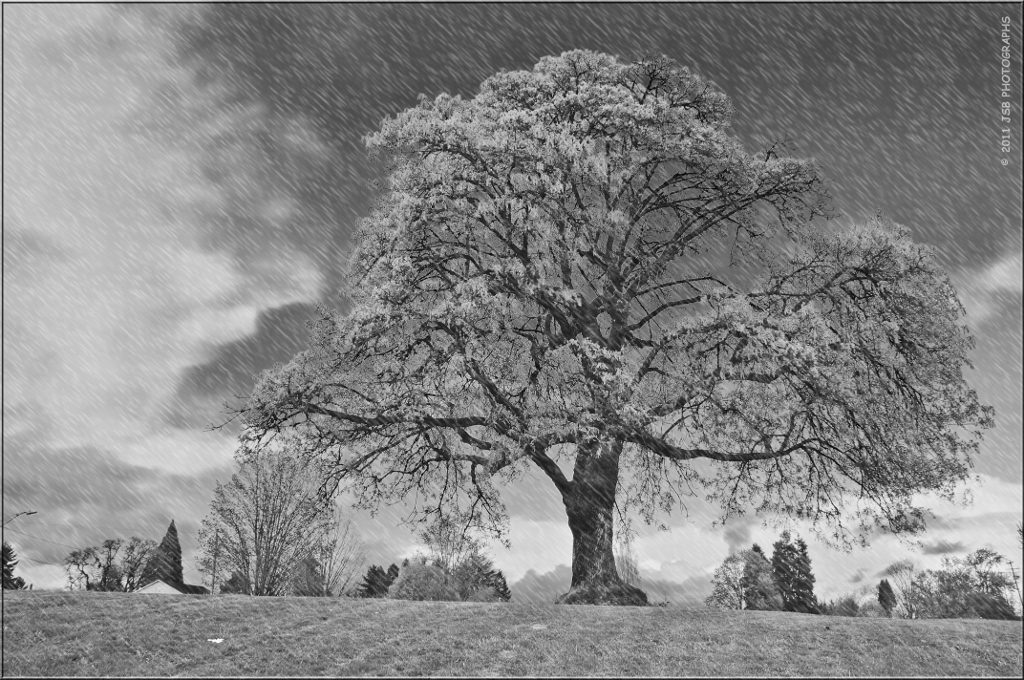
(118, 634)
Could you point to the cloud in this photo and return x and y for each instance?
(737, 533)
(537, 588)
(279, 334)
(984, 291)
(858, 576)
(942, 547)
(83, 495)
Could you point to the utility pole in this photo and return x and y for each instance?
(216, 545)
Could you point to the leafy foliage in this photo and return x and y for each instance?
(476, 578)
(844, 606)
(968, 587)
(235, 585)
(745, 581)
(758, 581)
(376, 582)
(580, 262)
(422, 582)
(308, 579)
(726, 584)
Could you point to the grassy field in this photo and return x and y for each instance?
(58, 633)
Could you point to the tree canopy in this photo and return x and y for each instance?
(581, 264)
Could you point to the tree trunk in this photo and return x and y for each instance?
(589, 505)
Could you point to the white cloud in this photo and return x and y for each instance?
(983, 291)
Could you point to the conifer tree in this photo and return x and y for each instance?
(497, 581)
(791, 566)
(477, 572)
(886, 597)
(166, 561)
(377, 581)
(11, 582)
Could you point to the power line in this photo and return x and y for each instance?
(41, 539)
(194, 537)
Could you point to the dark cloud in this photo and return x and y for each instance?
(280, 334)
(737, 533)
(104, 498)
(858, 576)
(24, 248)
(941, 547)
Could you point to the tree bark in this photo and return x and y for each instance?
(589, 505)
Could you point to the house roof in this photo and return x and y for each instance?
(183, 588)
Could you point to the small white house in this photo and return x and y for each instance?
(160, 588)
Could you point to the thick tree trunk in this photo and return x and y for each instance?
(589, 505)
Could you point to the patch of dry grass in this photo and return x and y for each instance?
(117, 634)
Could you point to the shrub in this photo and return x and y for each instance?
(872, 610)
(485, 594)
(422, 582)
(844, 606)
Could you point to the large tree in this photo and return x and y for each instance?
(165, 562)
(580, 263)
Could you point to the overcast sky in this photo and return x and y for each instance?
(181, 185)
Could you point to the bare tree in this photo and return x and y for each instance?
(907, 582)
(79, 566)
(342, 554)
(581, 263)
(266, 520)
(137, 553)
(107, 567)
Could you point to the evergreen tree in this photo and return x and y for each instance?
(791, 566)
(886, 597)
(10, 581)
(391, 574)
(475, 573)
(375, 582)
(758, 582)
(805, 601)
(497, 581)
(166, 561)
